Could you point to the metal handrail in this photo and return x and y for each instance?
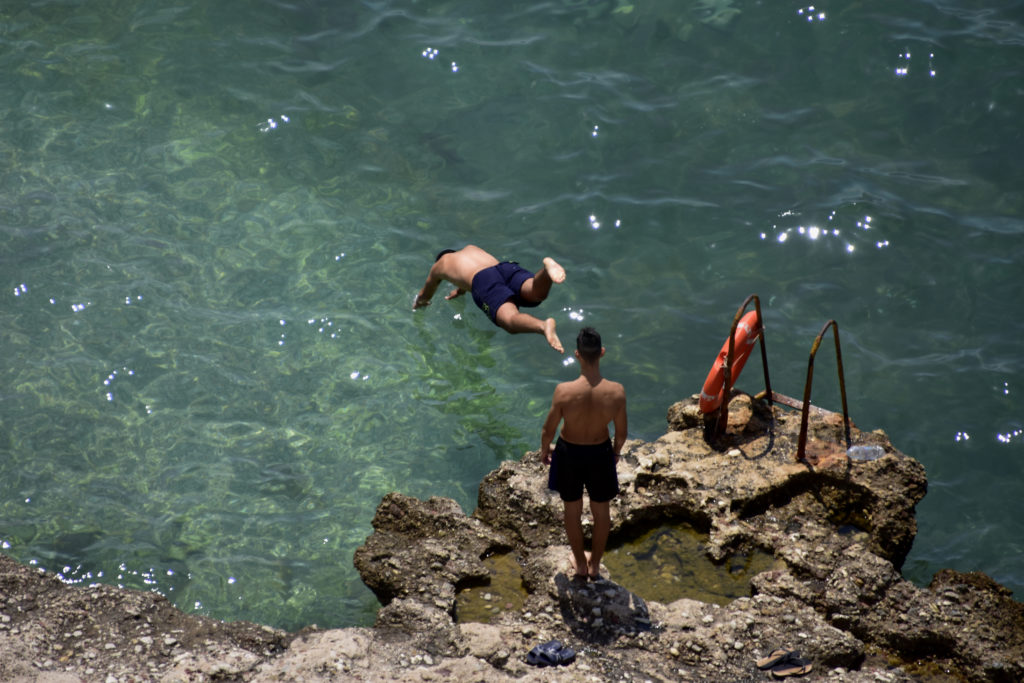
(722, 420)
(805, 409)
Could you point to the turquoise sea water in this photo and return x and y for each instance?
(214, 217)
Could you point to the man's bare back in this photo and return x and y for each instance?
(461, 266)
(587, 407)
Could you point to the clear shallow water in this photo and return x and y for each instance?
(213, 221)
(670, 562)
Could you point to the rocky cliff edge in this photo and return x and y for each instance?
(838, 532)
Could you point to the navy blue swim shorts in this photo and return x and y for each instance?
(574, 466)
(493, 286)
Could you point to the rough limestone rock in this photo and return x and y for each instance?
(838, 531)
(56, 633)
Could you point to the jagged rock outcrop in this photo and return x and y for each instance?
(54, 633)
(839, 530)
(838, 533)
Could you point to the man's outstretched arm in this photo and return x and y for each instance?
(427, 292)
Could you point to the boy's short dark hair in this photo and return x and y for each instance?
(588, 344)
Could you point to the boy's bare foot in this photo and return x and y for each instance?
(554, 271)
(549, 334)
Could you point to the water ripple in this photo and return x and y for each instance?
(1003, 225)
(582, 198)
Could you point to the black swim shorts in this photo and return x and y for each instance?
(574, 466)
(493, 286)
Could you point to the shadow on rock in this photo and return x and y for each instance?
(599, 612)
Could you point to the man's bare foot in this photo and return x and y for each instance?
(577, 574)
(549, 334)
(593, 568)
(554, 271)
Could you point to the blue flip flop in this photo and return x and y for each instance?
(551, 653)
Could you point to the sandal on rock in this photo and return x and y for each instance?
(551, 653)
(791, 666)
(777, 656)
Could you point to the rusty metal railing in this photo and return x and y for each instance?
(722, 420)
(806, 407)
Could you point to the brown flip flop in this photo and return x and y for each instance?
(792, 666)
(777, 655)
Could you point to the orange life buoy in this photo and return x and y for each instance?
(747, 332)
